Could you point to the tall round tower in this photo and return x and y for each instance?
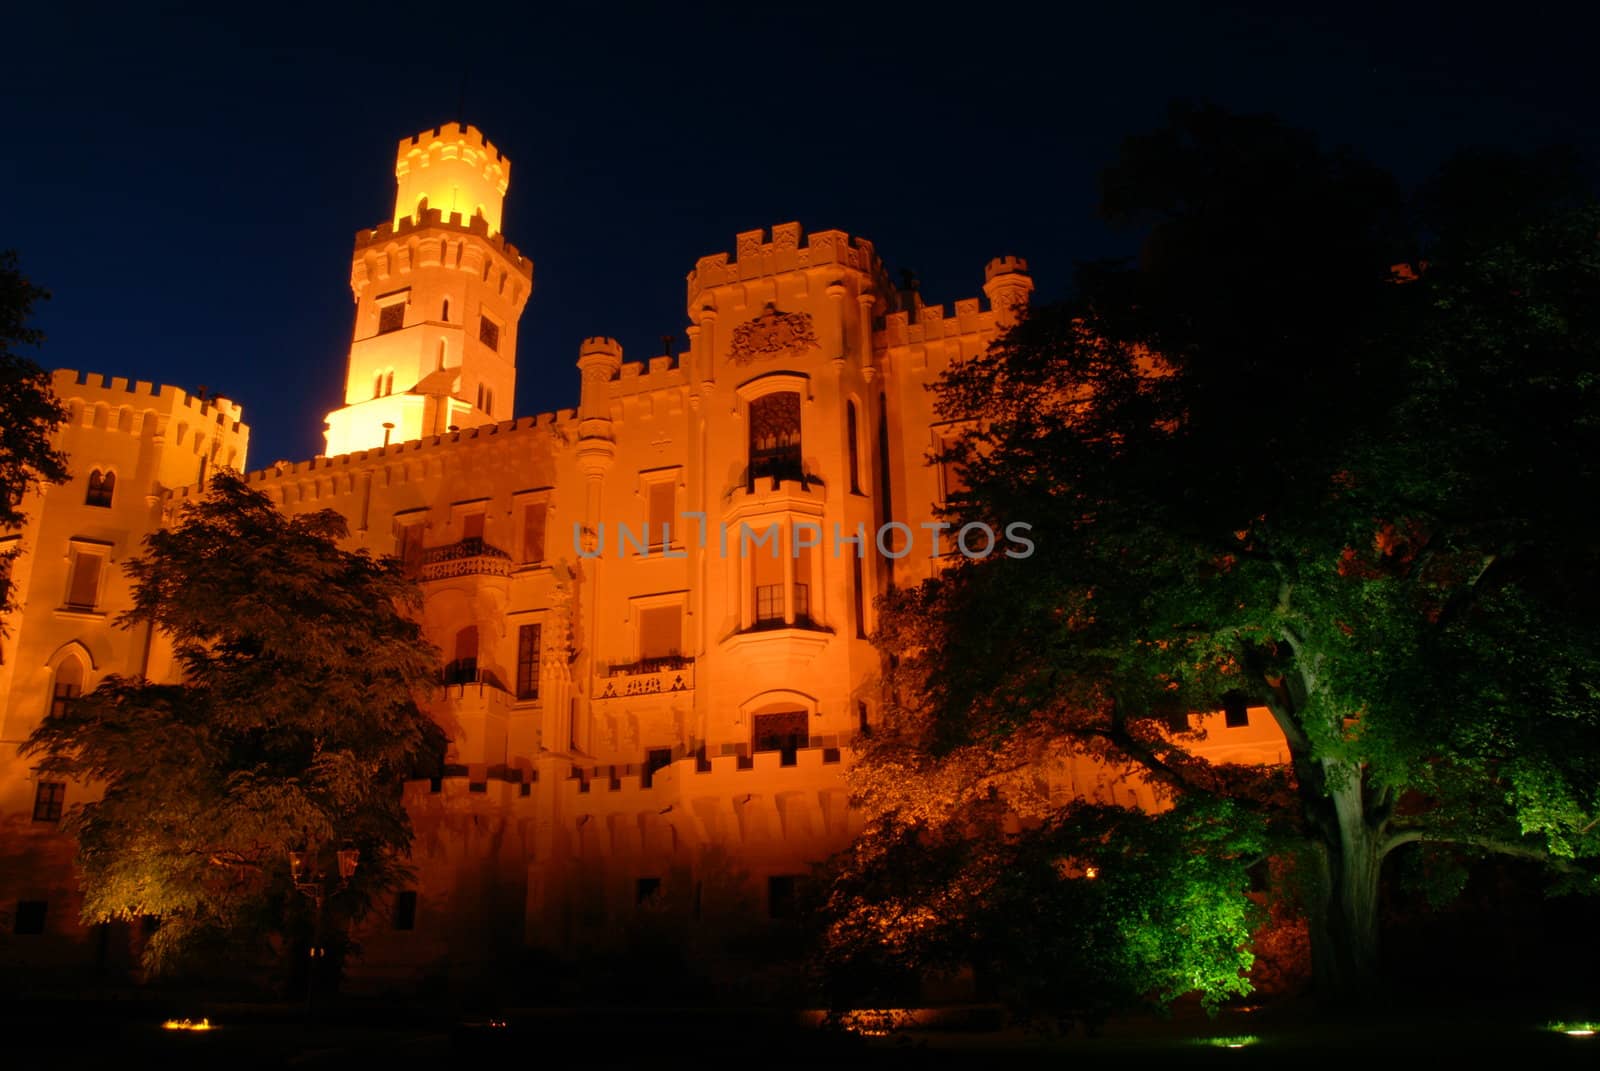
(438, 294)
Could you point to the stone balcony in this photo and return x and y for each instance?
(469, 557)
(650, 676)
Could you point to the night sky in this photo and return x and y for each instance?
(188, 187)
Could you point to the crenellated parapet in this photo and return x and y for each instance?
(84, 392)
(454, 169)
(756, 256)
(431, 239)
(1008, 286)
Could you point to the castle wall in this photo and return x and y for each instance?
(632, 713)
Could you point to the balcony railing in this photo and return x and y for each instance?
(466, 558)
(648, 676)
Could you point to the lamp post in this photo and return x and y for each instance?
(305, 869)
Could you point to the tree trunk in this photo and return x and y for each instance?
(1344, 913)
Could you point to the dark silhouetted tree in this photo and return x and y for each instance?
(1262, 462)
(29, 410)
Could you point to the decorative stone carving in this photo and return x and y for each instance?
(773, 334)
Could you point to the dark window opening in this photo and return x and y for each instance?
(1235, 714)
(101, 485)
(857, 588)
(463, 669)
(862, 725)
(781, 900)
(30, 917)
(769, 604)
(67, 687)
(533, 526)
(785, 733)
(488, 332)
(48, 799)
(405, 910)
(528, 645)
(83, 592)
(853, 446)
(391, 317)
(885, 505)
(656, 758)
(775, 439)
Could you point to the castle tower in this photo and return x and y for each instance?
(438, 293)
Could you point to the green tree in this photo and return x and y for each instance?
(29, 409)
(1262, 465)
(1091, 910)
(295, 724)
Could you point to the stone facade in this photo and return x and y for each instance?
(639, 690)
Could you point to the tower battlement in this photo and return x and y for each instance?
(411, 226)
(755, 257)
(87, 390)
(454, 169)
(1004, 266)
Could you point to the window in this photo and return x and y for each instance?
(444, 313)
(785, 733)
(775, 438)
(388, 382)
(533, 525)
(781, 901)
(853, 446)
(408, 546)
(101, 484)
(858, 592)
(405, 910)
(660, 632)
(657, 758)
(83, 590)
(67, 686)
(463, 669)
(489, 333)
(663, 498)
(48, 798)
(30, 917)
(769, 603)
(529, 642)
(1235, 714)
(391, 317)
(952, 484)
(472, 526)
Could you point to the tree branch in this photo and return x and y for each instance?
(1489, 844)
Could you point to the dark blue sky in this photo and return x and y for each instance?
(188, 187)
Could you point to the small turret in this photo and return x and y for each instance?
(599, 361)
(1007, 284)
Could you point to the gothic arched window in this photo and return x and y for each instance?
(775, 438)
(101, 484)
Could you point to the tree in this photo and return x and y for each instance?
(1263, 465)
(294, 726)
(1092, 910)
(29, 409)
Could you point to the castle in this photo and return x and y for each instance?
(638, 681)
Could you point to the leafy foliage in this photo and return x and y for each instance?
(1093, 910)
(295, 724)
(1263, 462)
(29, 409)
